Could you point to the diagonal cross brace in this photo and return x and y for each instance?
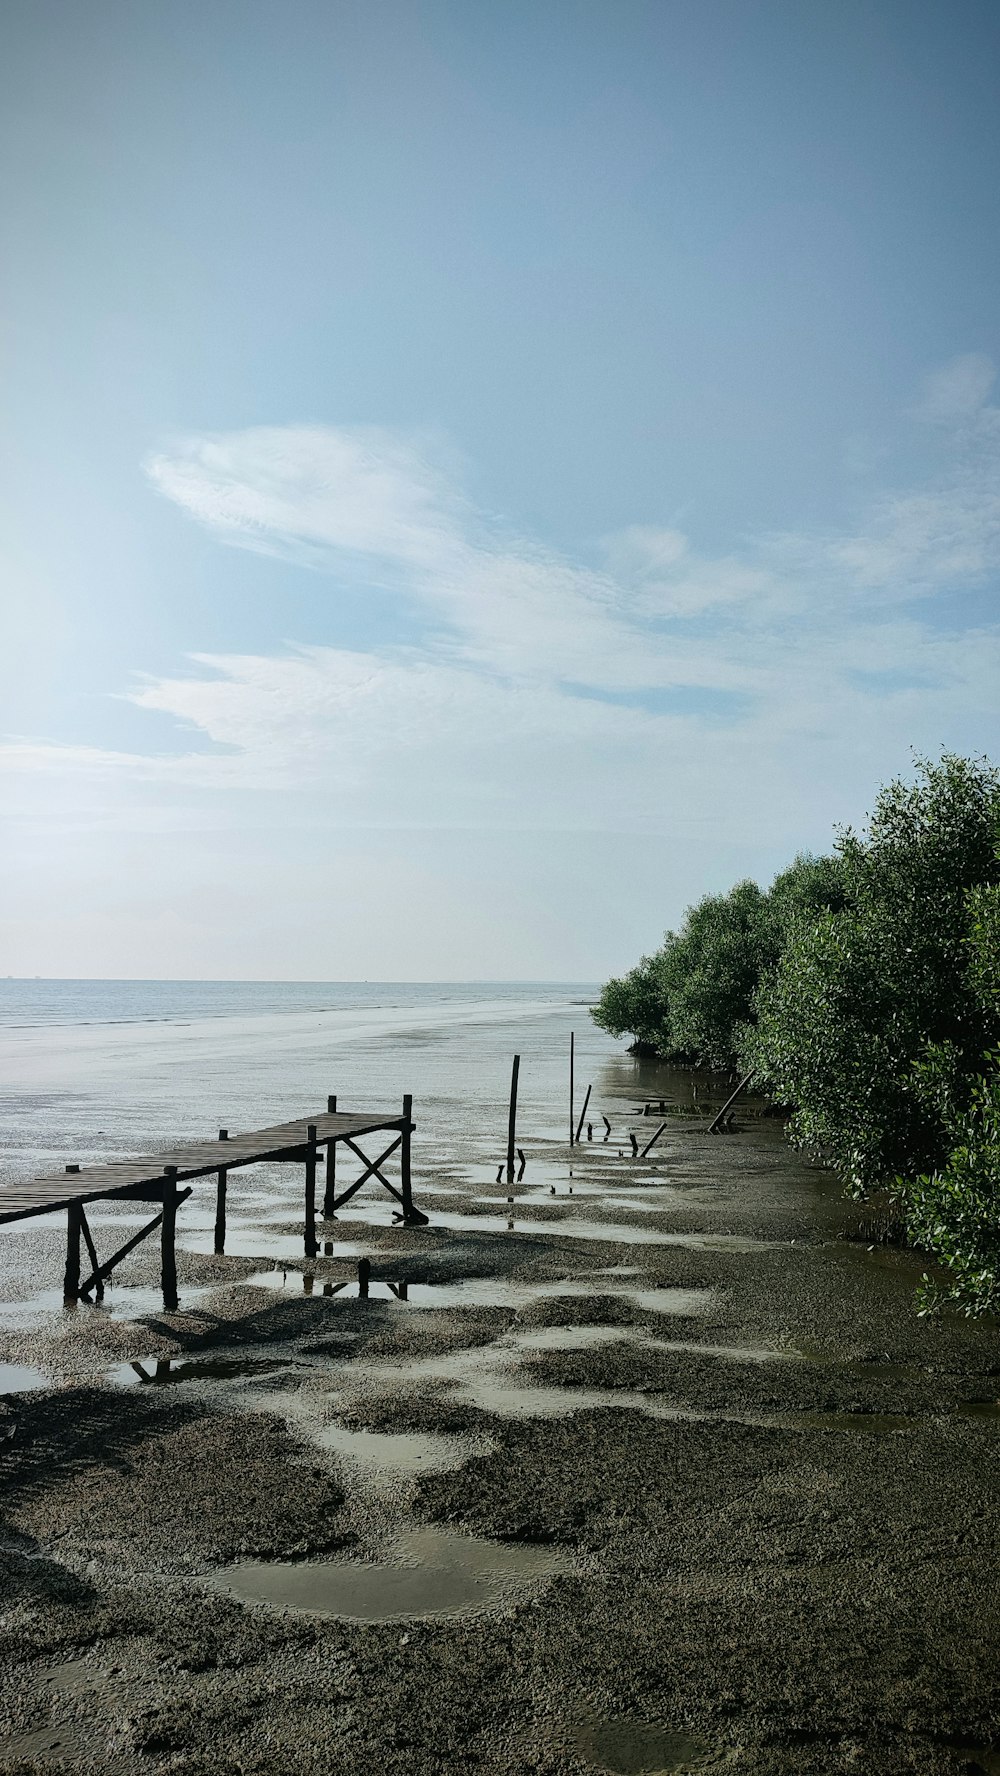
(102, 1270)
(372, 1168)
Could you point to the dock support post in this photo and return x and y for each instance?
(168, 1253)
(572, 1057)
(220, 1202)
(74, 1228)
(330, 1188)
(405, 1176)
(312, 1246)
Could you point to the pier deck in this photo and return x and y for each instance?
(157, 1178)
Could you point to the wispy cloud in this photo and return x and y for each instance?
(546, 691)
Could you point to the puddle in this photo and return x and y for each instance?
(976, 1408)
(570, 1228)
(489, 1291)
(120, 1303)
(878, 1424)
(303, 1282)
(164, 1371)
(435, 1572)
(487, 1378)
(392, 1453)
(258, 1242)
(17, 1378)
(629, 1747)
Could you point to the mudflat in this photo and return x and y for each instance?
(667, 1475)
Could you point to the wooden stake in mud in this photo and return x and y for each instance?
(312, 1246)
(716, 1122)
(572, 1056)
(583, 1112)
(220, 1201)
(652, 1140)
(512, 1116)
(330, 1187)
(168, 1227)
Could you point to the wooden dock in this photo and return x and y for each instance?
(158, 1177)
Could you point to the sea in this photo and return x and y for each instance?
(93, 1069)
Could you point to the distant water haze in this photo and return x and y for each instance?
(99, 1067)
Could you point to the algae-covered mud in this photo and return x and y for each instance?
(653, 1468)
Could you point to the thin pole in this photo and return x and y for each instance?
(572, 1056)
(330, 1188)
(512, 1115)
(311, 1244)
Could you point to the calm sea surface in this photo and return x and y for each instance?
(94, 1068)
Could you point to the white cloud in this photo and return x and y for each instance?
(958, 390)
(547, 692)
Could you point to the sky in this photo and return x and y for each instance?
(477, 478)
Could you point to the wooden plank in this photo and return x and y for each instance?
(40, 1196)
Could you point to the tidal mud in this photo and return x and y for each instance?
(683, 1485)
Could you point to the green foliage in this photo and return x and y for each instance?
(693, 1000)
(873, 1023)
(863, 990)
(632, 1006)
(954, 1213)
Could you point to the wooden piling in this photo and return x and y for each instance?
(220, 1201)
(572, 1056)
(406, 1161)
(330, 1187)
(364, 1277)
(312, 1246)
(168, 1230)
(512, 1116)
(71, 1279)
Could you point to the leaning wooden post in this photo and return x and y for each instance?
(405, 1176)
(583, 1112)
(312, 1246)
(652, 1141)
(220, 1202)
(716, 1121)
(512, 1116)
(74, 1228)
(168, 1254)
(330, 1187)
(572, 1056)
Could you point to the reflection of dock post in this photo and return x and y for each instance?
(312, 1247)
(74, 1228)
(220, 1202)
(168, 1253)
(330, 1188)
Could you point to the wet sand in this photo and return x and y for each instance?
(668, 1476)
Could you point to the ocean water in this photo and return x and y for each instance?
(92, 1069)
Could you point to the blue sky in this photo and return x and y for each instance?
(476, 478)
